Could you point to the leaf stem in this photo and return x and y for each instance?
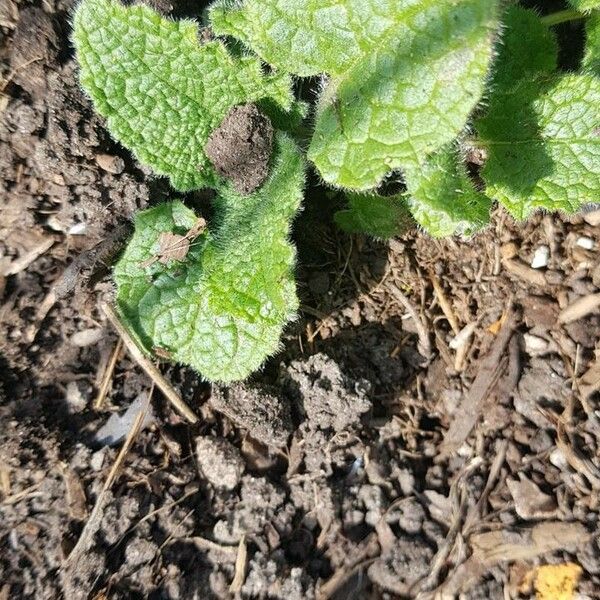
(562, 16)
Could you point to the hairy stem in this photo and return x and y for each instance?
(562, 16)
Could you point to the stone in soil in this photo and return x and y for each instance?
(219, 461)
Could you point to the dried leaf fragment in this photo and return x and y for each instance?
(173, 246)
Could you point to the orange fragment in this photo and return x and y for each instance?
(557, 582)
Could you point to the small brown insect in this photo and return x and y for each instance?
(161, 353)
(173, 246)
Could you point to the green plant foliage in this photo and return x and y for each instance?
(527, 48)
(222, 309)
(161, 90)
(409, 88)
(405, 75)
(442, 198)
(306, 37)
(543, 144)
(585, 5)
(591, 58)
(381, 217)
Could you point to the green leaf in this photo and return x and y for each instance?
(527, 47)
(305, 37)
(442, 198)
(381, 217)
(408, 98)
(591, 57)
(543, 144)
(222, 310)
(585, 5)
(406, 74)
(161, 90)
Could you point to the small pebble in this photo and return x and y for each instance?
(219, 461)
(87, 337)
(592, 218)
(558, 459)
(509, 250)
(585, 242)
(540, 257)
(74, 397)
(97, 459)
(111, 164)
(534, 345)
(77, 229)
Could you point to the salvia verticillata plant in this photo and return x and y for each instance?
(410, 90)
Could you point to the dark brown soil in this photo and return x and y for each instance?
(240, 147)
(429, 427)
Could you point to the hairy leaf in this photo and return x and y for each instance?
(591, 58)
(306, 37)
(585, 5)
(527, 47)
(442, 198)
(161, 90)
(406, 74)
(221, 310)
(381, 217)
(543, 144)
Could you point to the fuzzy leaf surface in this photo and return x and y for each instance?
(543, 145)
(381, 217)
(585, 5)
(405, 74)
(527, 47)
(223, 309)
(307, 37)
(161, 90)
(408, 97)
(591, 57)
(441, 196)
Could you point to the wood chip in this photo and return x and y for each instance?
(468, 413)
(589, 383)
(582, 307)
(530, 501)
(578, 461)
(76, 500)
(5, 486)
(509, 545)
(523, 271)
(21, 263)
(240, 567)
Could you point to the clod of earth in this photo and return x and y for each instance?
(240, 147)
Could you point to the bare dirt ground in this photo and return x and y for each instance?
(429, 429)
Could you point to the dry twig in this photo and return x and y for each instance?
(107, 375)
(150, 369)
(93, 523)
(444, 303)
(424, 343)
